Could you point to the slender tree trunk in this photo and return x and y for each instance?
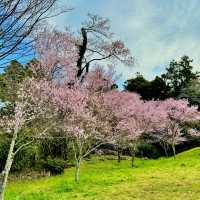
(132, 159)
(77, 172)
(165, 149)
(7, 168)
(164, 145)
(119, 155)
(132, 151)
(174, 150)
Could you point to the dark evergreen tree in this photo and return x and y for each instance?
(179, 74)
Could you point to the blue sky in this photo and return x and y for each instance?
(156, 31)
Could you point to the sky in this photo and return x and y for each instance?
(156, 31)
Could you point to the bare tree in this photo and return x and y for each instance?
(18, 20)
(93, 44)
(97, 43)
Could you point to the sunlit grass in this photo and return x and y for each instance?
(167, 179)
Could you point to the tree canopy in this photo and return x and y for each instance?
(178, 78)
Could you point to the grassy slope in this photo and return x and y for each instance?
(104, 180)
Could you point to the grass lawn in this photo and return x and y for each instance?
(163, 179)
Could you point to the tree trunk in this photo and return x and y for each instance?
(132, 159)
(82, 51)
(165, 149)
(7, 168)
(174, 150)
(119, 155)
(132, 151)
(77, 172)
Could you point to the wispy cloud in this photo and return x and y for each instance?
(156, 31)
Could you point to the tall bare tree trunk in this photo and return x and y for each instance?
(82, 51)
(7, 168)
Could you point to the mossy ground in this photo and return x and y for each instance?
(103, 179)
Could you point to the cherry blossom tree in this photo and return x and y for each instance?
(136, 118)
(85, 119)
(83, 127)
(130, 118)
(140, 121)
(171, 114)
(57, 55)
(30, 105)
(77, 100)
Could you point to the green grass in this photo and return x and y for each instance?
(163, 179)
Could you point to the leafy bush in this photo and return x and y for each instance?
(36, 156)
(4, 146)
(24, 159)
(54, 166)
(148, 150)
(56, 148)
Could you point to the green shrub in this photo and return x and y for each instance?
(24, 159)
(4, 146)
(54, 166)
(148, 150)
(35, 158)
(56, 148)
